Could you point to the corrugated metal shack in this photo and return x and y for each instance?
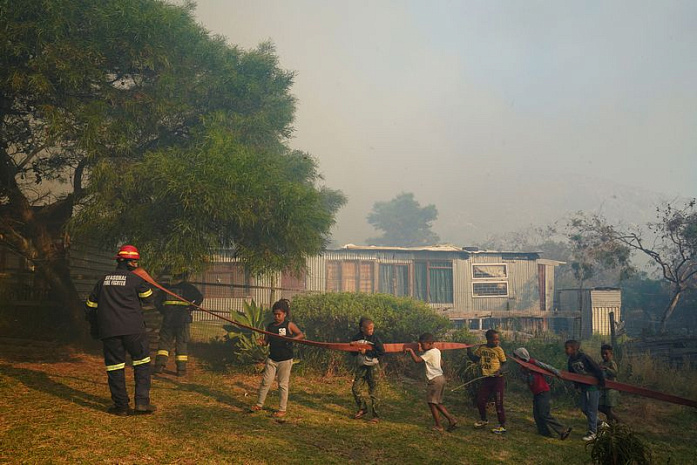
(593, 307)
(468, 285)
(472, 287)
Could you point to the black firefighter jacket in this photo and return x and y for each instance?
(115, 304)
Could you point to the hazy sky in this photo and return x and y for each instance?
(415, 96)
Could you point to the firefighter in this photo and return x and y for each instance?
(176, 323)
(114, 311)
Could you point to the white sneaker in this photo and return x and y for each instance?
(589, 437)
(481, 423)
(603, 425)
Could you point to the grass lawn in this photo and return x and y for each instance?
(53, 403)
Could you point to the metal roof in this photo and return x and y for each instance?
(431, 248)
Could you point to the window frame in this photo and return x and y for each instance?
(490, 278)
(488, 296)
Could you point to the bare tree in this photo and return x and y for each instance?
(670, 242)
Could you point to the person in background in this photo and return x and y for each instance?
(176, 323)
(582, 364)
(114, 311)
(609, 398)
(367, 369)
(541, 397)
(491, 359)
(435, 380)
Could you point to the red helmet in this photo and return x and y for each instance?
(128, 252)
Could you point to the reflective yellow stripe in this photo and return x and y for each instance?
(140, 362)
(174, 302)
(181, 358)
(91, 304)
(145, 294)
(120, 366)
(163, 352)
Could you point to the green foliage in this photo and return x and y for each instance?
(159, 134)
(245, 342)
(260, 202)
(334, 318)
(619, 445)
(403, 222)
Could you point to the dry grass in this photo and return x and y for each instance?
(652, 373)
(53, 402)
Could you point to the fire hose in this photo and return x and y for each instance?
(400, 347)
(628, 388)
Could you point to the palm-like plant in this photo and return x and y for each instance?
(245, 341)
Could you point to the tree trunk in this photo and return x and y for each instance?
(70, 323)
(677, 292)
(36, 233)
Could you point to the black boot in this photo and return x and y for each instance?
(160, 362)
(181, 369)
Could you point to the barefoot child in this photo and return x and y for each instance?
(490, 358)
(280, 360)
(435, 380)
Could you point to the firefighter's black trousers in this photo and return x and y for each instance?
(115, 349)
(178, 335)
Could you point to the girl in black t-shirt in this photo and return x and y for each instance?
(280, 360)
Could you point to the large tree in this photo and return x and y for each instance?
(670, 242)
(403, 222)
(128, 121)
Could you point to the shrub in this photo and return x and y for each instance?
(334, 318)
(618, 445)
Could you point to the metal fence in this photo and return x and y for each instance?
(223, 300)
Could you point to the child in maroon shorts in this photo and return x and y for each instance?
(491, 358)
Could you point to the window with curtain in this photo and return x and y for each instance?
(433, 281)
(394, 279)
(333, 276)
(350, 276)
